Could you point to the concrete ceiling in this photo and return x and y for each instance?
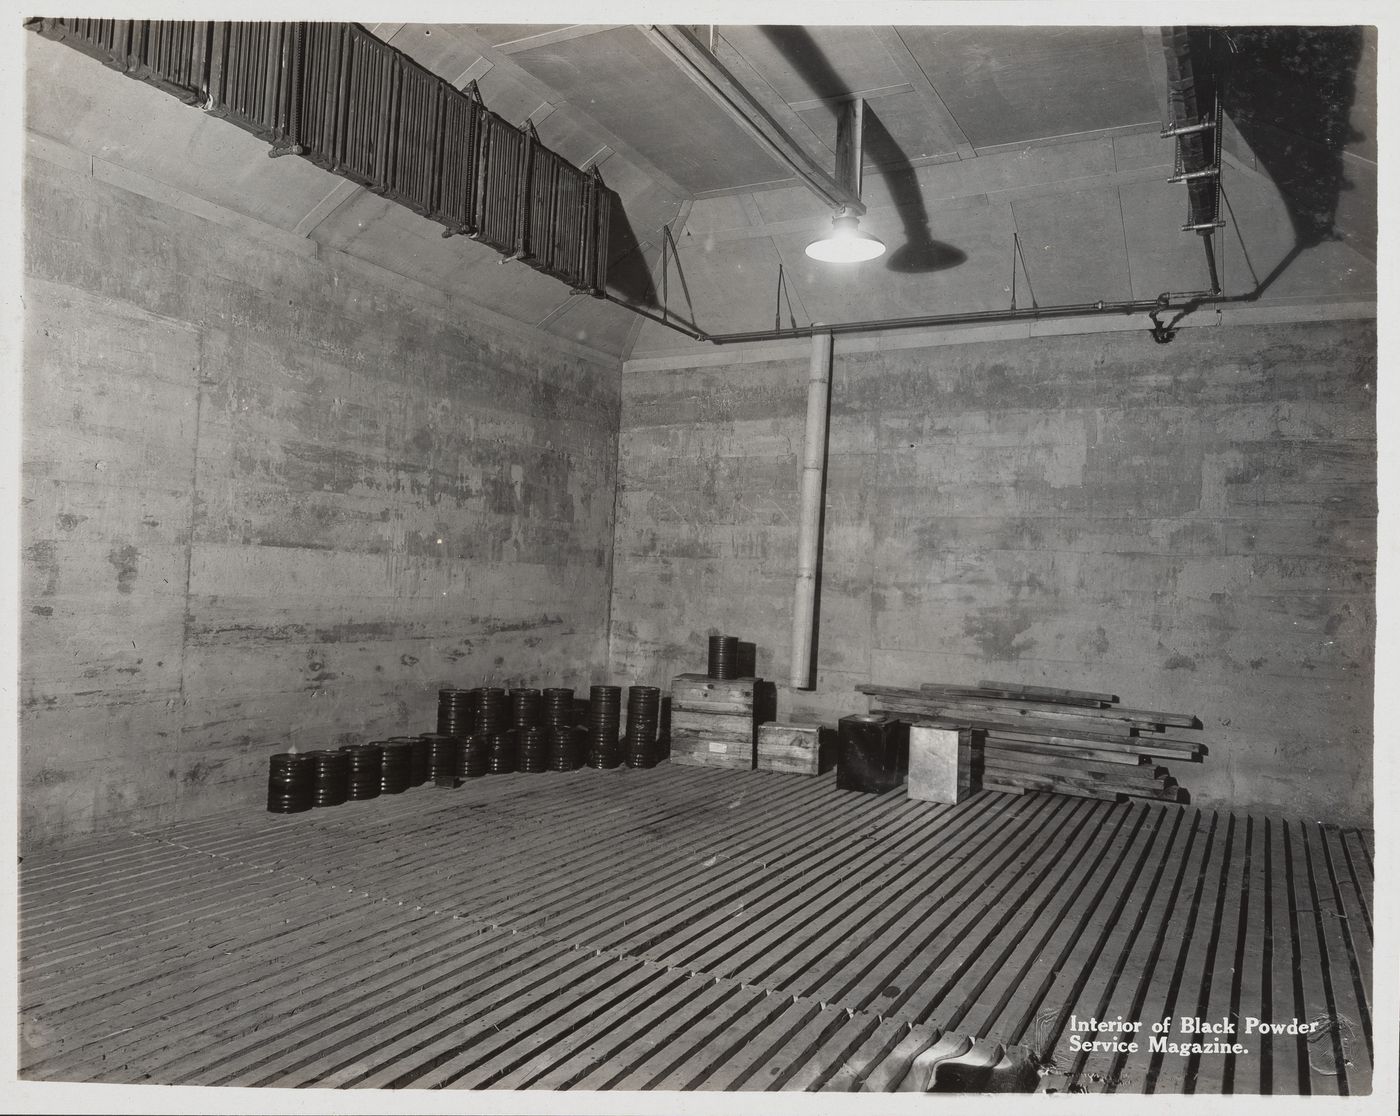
(973, 135)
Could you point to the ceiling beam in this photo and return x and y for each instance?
(863, 94)
(913, 73)
(773, 102)
(561, 35)
(703, 68)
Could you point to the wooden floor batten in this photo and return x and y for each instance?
(691, 928)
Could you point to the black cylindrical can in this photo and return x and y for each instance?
(525, 705)
(558, 706)
(366, 766)
(442, 753)
(724, 656)
(291, 780)
(471, 757)
(562, 744)
(456, 712)
(501, 756)
(331, 777)
(419, 761)
(533, 754)
(394, 760)
(492, 711)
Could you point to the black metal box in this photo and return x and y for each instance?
(873, 753)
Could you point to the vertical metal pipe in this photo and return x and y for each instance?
(809, 524)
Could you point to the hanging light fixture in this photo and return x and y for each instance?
(846, 243)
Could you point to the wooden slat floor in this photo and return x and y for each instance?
(692, 928)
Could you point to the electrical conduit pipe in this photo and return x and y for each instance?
(809, 523)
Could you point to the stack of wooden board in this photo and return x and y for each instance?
(713, 723)
(1070, 741)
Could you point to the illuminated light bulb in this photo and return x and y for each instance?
(846, 243)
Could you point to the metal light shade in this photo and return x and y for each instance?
(846, 243)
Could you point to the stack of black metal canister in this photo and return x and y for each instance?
(604, 724)
(480, 731)
(643, 718)
(560, 730)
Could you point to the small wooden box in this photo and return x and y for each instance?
(712, 721)
(699, 693)
(940, 763)
(699, 750)
(802, 747)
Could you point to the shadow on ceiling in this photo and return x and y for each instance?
(1289, 91)
(629, 275)
(920, 252)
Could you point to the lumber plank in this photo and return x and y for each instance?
(1354, 935)
(1241, 1073)
(1086, 784)
(1074, 771)
(1049, 693)
(1322, 1053)
(1359, 860)
(1030, 705)
(912, 701)
(1151, 747)
(1288, 1060)
(1085, 759)
(1350, 1017)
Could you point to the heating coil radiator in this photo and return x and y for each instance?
(355, 106)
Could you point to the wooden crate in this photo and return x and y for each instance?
(805, 748)
(699, 750)
(700, 693)
(940, 763)
(712, 721)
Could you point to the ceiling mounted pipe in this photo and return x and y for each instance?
(1168, 300)
(1173, 300)
(802, 672)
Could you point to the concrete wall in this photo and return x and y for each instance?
(1190, 526)
(271, 497)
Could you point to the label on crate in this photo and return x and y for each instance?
(718, 746)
